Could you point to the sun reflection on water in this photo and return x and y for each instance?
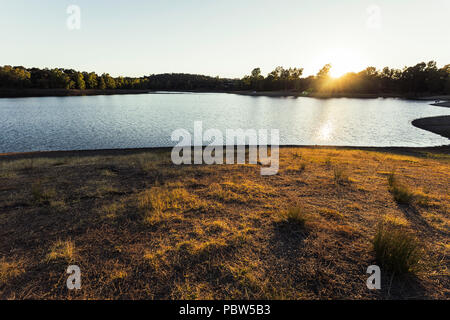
(326, 131)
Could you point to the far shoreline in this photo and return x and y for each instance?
(35, 93)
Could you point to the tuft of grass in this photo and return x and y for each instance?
(295, 215)
(224, 194)
(103, 189)
(118, 275)
(395, 220)
(340, 175)
(216, 226)
(399, 191)
(111, 211)
(330, 213)
(242, 192)
(296, 167)
(108, 173)
(9, 270)
(396, 249)
(40, 195)
(403, 195)
(64, 250)
(297, 155)
(158, 203)
(58, 205)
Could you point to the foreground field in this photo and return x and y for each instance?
(140, 227)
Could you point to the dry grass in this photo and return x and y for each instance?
(64, 250)
(9, 270)
(142, 228)
(404, 195)
(341, 175)
(296, 215)
(160, 203)
(396, 249)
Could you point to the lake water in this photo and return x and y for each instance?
(147, 120)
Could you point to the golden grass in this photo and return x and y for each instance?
(145, 229)
(395, 220)
(396, 249)
(9, 270)
(331, 214)
(242, 192)
(341, 175)
(296, 216)
(404, 195)
(160, 203)
(113, 210)
(62, 250)
(118, 275)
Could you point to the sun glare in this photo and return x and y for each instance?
(343, 61)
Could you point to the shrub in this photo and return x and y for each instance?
(396, 249)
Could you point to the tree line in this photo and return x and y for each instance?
(421, 79)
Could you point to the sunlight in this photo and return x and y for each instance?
(344, 61)
(325, 132)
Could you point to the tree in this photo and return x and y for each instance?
(256, 73)
(101, 83)
(109, 81)
(324, 73)
(91, 80)
(79, 81)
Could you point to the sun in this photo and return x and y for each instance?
(343, 61)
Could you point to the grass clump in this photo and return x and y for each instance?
(296, 215)
(40, 195)
(396, 249)
(330, 213)
(395, 220)
(111, 211)
(399, 191)
(62, 250)
(159, 203)
(296, 167)
(403, 195)
(340, 175)
(9, 270)
(242, 192)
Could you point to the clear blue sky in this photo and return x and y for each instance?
(225, 38)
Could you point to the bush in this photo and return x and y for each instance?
(396, 249)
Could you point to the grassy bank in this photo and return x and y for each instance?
(140, 227)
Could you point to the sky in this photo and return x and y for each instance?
(223, 38)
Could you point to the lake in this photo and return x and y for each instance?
(147, 120)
